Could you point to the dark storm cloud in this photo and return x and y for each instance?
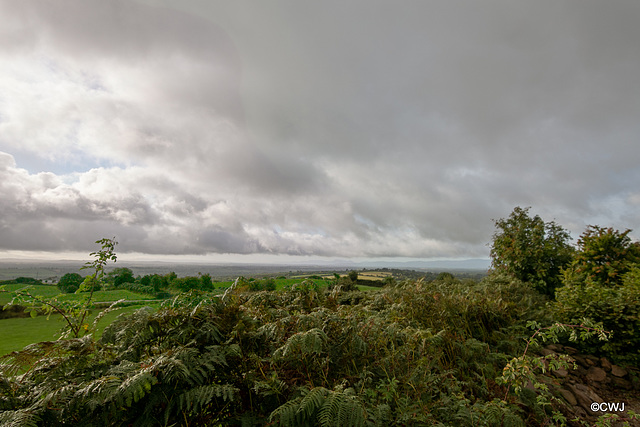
(366, 128)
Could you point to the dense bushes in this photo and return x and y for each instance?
(418, 353)
(617, 307)
(597, 280)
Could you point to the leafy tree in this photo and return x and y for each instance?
(145, 280)
(121, 275)
(531, 250)
(604, 256)
(206, 284)
(70, 282)
(187, 283)
(445, 276)
(170, 277)
(353, 275)
(158, 282)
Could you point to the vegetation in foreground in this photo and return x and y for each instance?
(417, 352)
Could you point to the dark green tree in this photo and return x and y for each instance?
(353, 275)
(145, 280)
(206, 284)
(121, 275)
(185, 284)
(70, 282)
(158, 282)
(531, 250)
(604, 256)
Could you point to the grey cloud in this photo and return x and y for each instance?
(367, 128)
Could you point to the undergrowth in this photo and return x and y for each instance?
(413, 353)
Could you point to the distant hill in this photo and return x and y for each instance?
(465, 264)
(43, 270)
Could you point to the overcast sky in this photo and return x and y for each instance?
(239, 130)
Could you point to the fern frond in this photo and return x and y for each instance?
(18, 418)
(97, 392)
(286, 413)
(323, 407)
(196, 399)
(341, 409)
(134, 388)
(309, 342)
(312, 401)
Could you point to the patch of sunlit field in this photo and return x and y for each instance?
(374, 275)
(17, 333)
(46, 291)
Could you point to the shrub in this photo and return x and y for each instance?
(617, 307)
(70, 282)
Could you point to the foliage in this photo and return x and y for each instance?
(531, 250)
(119, 276)
(74, 312)
(412, 353)
(206, 284)
(604, 256)
(616, 307)
(70, 282)
(603, 284)
(89, 284)
(520, 372)
(353, 275)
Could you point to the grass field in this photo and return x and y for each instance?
(42, 290)
(17, 333)
(49, 291)
(108, 296)
(374, 275)
(368, 288)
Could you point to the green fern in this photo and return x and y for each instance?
(196, 399)
(321, 406)
(304, 343)
(135, 388)
(19, 418)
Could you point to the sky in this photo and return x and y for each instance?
(295, 130)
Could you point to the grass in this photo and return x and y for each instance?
(368, 288)
(107, 296)
(374, 275)
(49, 291)
(17, 333)
(41, 290)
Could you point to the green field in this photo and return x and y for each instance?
(46, 291)
(49, 291)
(109, 296)
(17, 333)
